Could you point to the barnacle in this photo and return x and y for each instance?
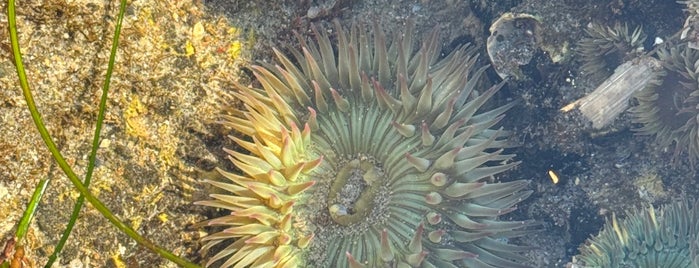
(647, 239)
(667, 107)
(372, 155)
(605, 48)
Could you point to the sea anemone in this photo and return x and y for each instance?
(668, 106)
(368, 156)
(647, 239)
(606, 48)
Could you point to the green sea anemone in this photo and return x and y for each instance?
(370, 155)
(647, 239)
(605, 48)
(668, 106)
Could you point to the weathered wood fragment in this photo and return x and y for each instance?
(611, 98)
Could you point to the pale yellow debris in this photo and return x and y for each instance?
(554, 177)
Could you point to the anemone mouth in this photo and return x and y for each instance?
(647, 239)
(358, 192)
(606, 48)
(667, 107)
(370, 155)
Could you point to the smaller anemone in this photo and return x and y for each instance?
(606, 48)
(647, 239)
(668, 105)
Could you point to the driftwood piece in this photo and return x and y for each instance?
(611, 98)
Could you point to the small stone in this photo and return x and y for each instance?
(105, 143)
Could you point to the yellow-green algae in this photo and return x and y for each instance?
(145, 178)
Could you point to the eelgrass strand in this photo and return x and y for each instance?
(95, 140)
(31, 210)
(46, 137)
(24, 224)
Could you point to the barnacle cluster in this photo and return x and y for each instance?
(605, 48)
(368, 155)
(667, 107)
(647, 239)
